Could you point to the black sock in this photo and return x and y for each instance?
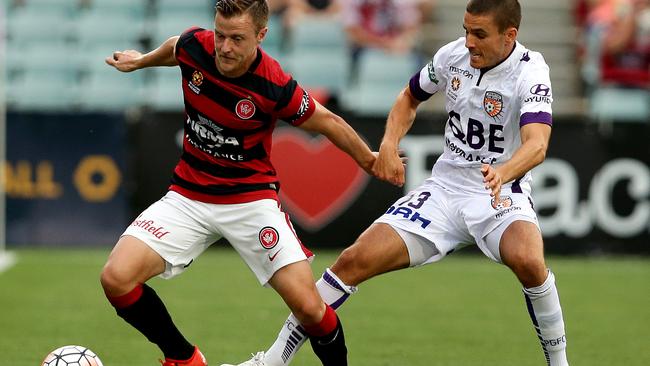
(149, 315)
(330, 348)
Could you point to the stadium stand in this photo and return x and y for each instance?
(616, 81)
(381, 76)
(274, 41)
(163, 92)
(317, 55)
(79, 34)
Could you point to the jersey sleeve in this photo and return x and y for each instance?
(431, 77)
(536, 94)
(186, 36)
(296, 105)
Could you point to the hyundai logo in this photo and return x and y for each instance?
(541, 89)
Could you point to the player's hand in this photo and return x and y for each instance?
(493, 181)
(368, 164)
(125, 61)
(389, 166)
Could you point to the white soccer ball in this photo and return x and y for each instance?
(72, 356)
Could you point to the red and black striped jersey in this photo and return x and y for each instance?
(229, 123)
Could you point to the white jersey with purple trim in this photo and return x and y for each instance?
(486, 109)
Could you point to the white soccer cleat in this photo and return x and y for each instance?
(257, 360)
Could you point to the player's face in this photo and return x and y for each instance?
(235, 43)
(487, 46)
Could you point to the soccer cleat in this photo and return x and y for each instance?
(197, 359)
(257, 360)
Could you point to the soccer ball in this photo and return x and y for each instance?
(72, 356)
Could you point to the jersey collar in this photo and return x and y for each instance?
(503, 64)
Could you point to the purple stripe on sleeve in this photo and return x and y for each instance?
(538, 117)
(416, 90)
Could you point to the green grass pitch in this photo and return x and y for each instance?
(465, 310)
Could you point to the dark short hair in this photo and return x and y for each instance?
(258, 10)
(507, 13)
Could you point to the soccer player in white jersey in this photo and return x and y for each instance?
(498, 98)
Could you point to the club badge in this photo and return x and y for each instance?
(268, 237)
(245, 109)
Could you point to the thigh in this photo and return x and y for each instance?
(522, 250)
(521, 240)
(263, 236)
(378, 250)
(487, 224)
(131, 262)
(174, 227)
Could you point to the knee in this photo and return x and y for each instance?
(310, 311)
(349, 266)
(530, 270)
(347, 259)
(114, 281)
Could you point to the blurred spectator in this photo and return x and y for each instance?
(277, 6)
(618, 41)
(291, 11)
(390, 25)
(298, 8)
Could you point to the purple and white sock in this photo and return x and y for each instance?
(292, 336)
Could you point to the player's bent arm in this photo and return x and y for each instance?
(400, 118)
(131, 60)
(532, 152)
(341, 134)
(389, 165)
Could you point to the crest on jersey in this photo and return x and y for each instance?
(197, 78)
(504, 202)
(493, 103)
(196, 81)
(455, 83)
(245, 109)
(269, 237)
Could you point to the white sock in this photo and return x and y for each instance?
(544, 308)
(292, 336)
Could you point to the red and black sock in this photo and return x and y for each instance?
(143, 309)
(327, 339)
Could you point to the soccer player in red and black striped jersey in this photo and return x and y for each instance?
(224, 185)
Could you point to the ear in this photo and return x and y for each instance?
(262, 34)
(511, 34)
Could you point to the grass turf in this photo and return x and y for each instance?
(465, 310)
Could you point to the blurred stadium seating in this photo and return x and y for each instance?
(56, 51)
(316, 54)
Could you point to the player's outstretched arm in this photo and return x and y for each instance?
(131, 60)
(341, 134)
(390, 165)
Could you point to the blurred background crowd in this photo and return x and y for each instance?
(356, 53)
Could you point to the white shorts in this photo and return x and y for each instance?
(180, 229)
(434, 221)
